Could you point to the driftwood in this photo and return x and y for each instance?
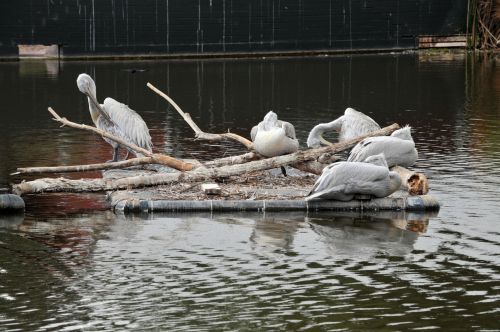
(158, 158)
(414, 183)
(200, 134)
(201, 173)
(154, 159)
(233, 160)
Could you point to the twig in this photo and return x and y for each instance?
(497, 41)
(200, 134)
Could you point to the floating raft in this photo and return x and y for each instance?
(259, 191)
(409, 203)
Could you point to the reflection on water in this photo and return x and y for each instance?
(280, 271)
(69, 264)
(392, 233)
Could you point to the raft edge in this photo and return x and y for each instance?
(411, 203)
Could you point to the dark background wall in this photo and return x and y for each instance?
(86, 27)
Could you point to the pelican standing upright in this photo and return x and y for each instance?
(115, 118)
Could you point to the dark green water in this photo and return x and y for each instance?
(70, 265)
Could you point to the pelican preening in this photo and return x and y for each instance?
(343, 180)
(115, 118)
(350, 125)
(273, 137)
(398, 149)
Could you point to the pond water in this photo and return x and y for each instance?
(69, 264)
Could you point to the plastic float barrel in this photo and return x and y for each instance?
(11, 203)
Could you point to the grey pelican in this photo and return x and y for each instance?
(343, 180)
(350, 125)
(273, 137)
(398, 149)
(115, 118)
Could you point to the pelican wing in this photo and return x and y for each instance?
(344, 179)
(131, 124)
(253, 132)
(357, 172)
(289, 129)
(396, 151)
(335, 192)
(350, 173)
(351, 113)
(326, 178)
(361, 178)
(361, 151)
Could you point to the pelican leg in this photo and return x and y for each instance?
(283, 170)
(115, 155)
(126, 156)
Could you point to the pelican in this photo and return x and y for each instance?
(399, 148)
(343, 180)
(350, 125)
(115, 118)
(273, 137)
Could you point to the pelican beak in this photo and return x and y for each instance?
(99, 107)
(324, 141)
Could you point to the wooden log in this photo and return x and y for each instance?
(154, 159)
(200, 134)
(233, 160)
(93, 185)
(414, 183)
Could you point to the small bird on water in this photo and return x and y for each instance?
(115, 118)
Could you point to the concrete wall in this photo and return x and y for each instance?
(89, 27)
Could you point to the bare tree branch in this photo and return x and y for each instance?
(159, 158)
(200, 134)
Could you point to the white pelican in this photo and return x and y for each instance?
(115, 118)
(398, 149)
(273, 137)
(343, 180)
(350, 125)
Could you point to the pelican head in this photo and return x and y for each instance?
(403, 133)
(378, 160)
(86, 85)
(270, 120)
(315, 137)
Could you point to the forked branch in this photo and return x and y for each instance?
(200, 134)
